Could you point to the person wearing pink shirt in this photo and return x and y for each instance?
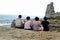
(36, 24)
(27, 24)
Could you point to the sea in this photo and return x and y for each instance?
(6, 20)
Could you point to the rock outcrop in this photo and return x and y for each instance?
(50, 10)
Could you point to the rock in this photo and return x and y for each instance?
(50, 10)
(21, 34)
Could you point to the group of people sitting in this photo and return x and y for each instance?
(29, 24)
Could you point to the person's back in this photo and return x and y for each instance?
(27, 24)
(19, 22)
(45, 24)
(37, 24)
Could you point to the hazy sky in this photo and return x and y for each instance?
(27, 7)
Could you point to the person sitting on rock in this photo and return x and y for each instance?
(27, 24)
(36, 24)
(45, 24)
(18, 23)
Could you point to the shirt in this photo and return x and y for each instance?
(27, 25)
(19, 22)
(36, 25)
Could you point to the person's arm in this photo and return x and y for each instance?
(23, 21)
(48, 23)
(13, 24)
(40, 24)
(31, 23)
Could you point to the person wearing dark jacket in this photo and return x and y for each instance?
(45, 24)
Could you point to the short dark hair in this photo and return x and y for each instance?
(45, 18)
(28, 18)
(20, 16)
(36, 18)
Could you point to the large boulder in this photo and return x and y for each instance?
(50, 11)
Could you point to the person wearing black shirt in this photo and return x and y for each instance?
(45, 24)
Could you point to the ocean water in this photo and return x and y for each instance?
(7, 18)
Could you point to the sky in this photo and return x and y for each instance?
(27, 7)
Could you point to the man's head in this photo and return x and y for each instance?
(28, 18)
(45, 18)
(20, 16)
(37, 18)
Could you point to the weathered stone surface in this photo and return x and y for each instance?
(21, 34)
(50, 13)
(50, 10)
